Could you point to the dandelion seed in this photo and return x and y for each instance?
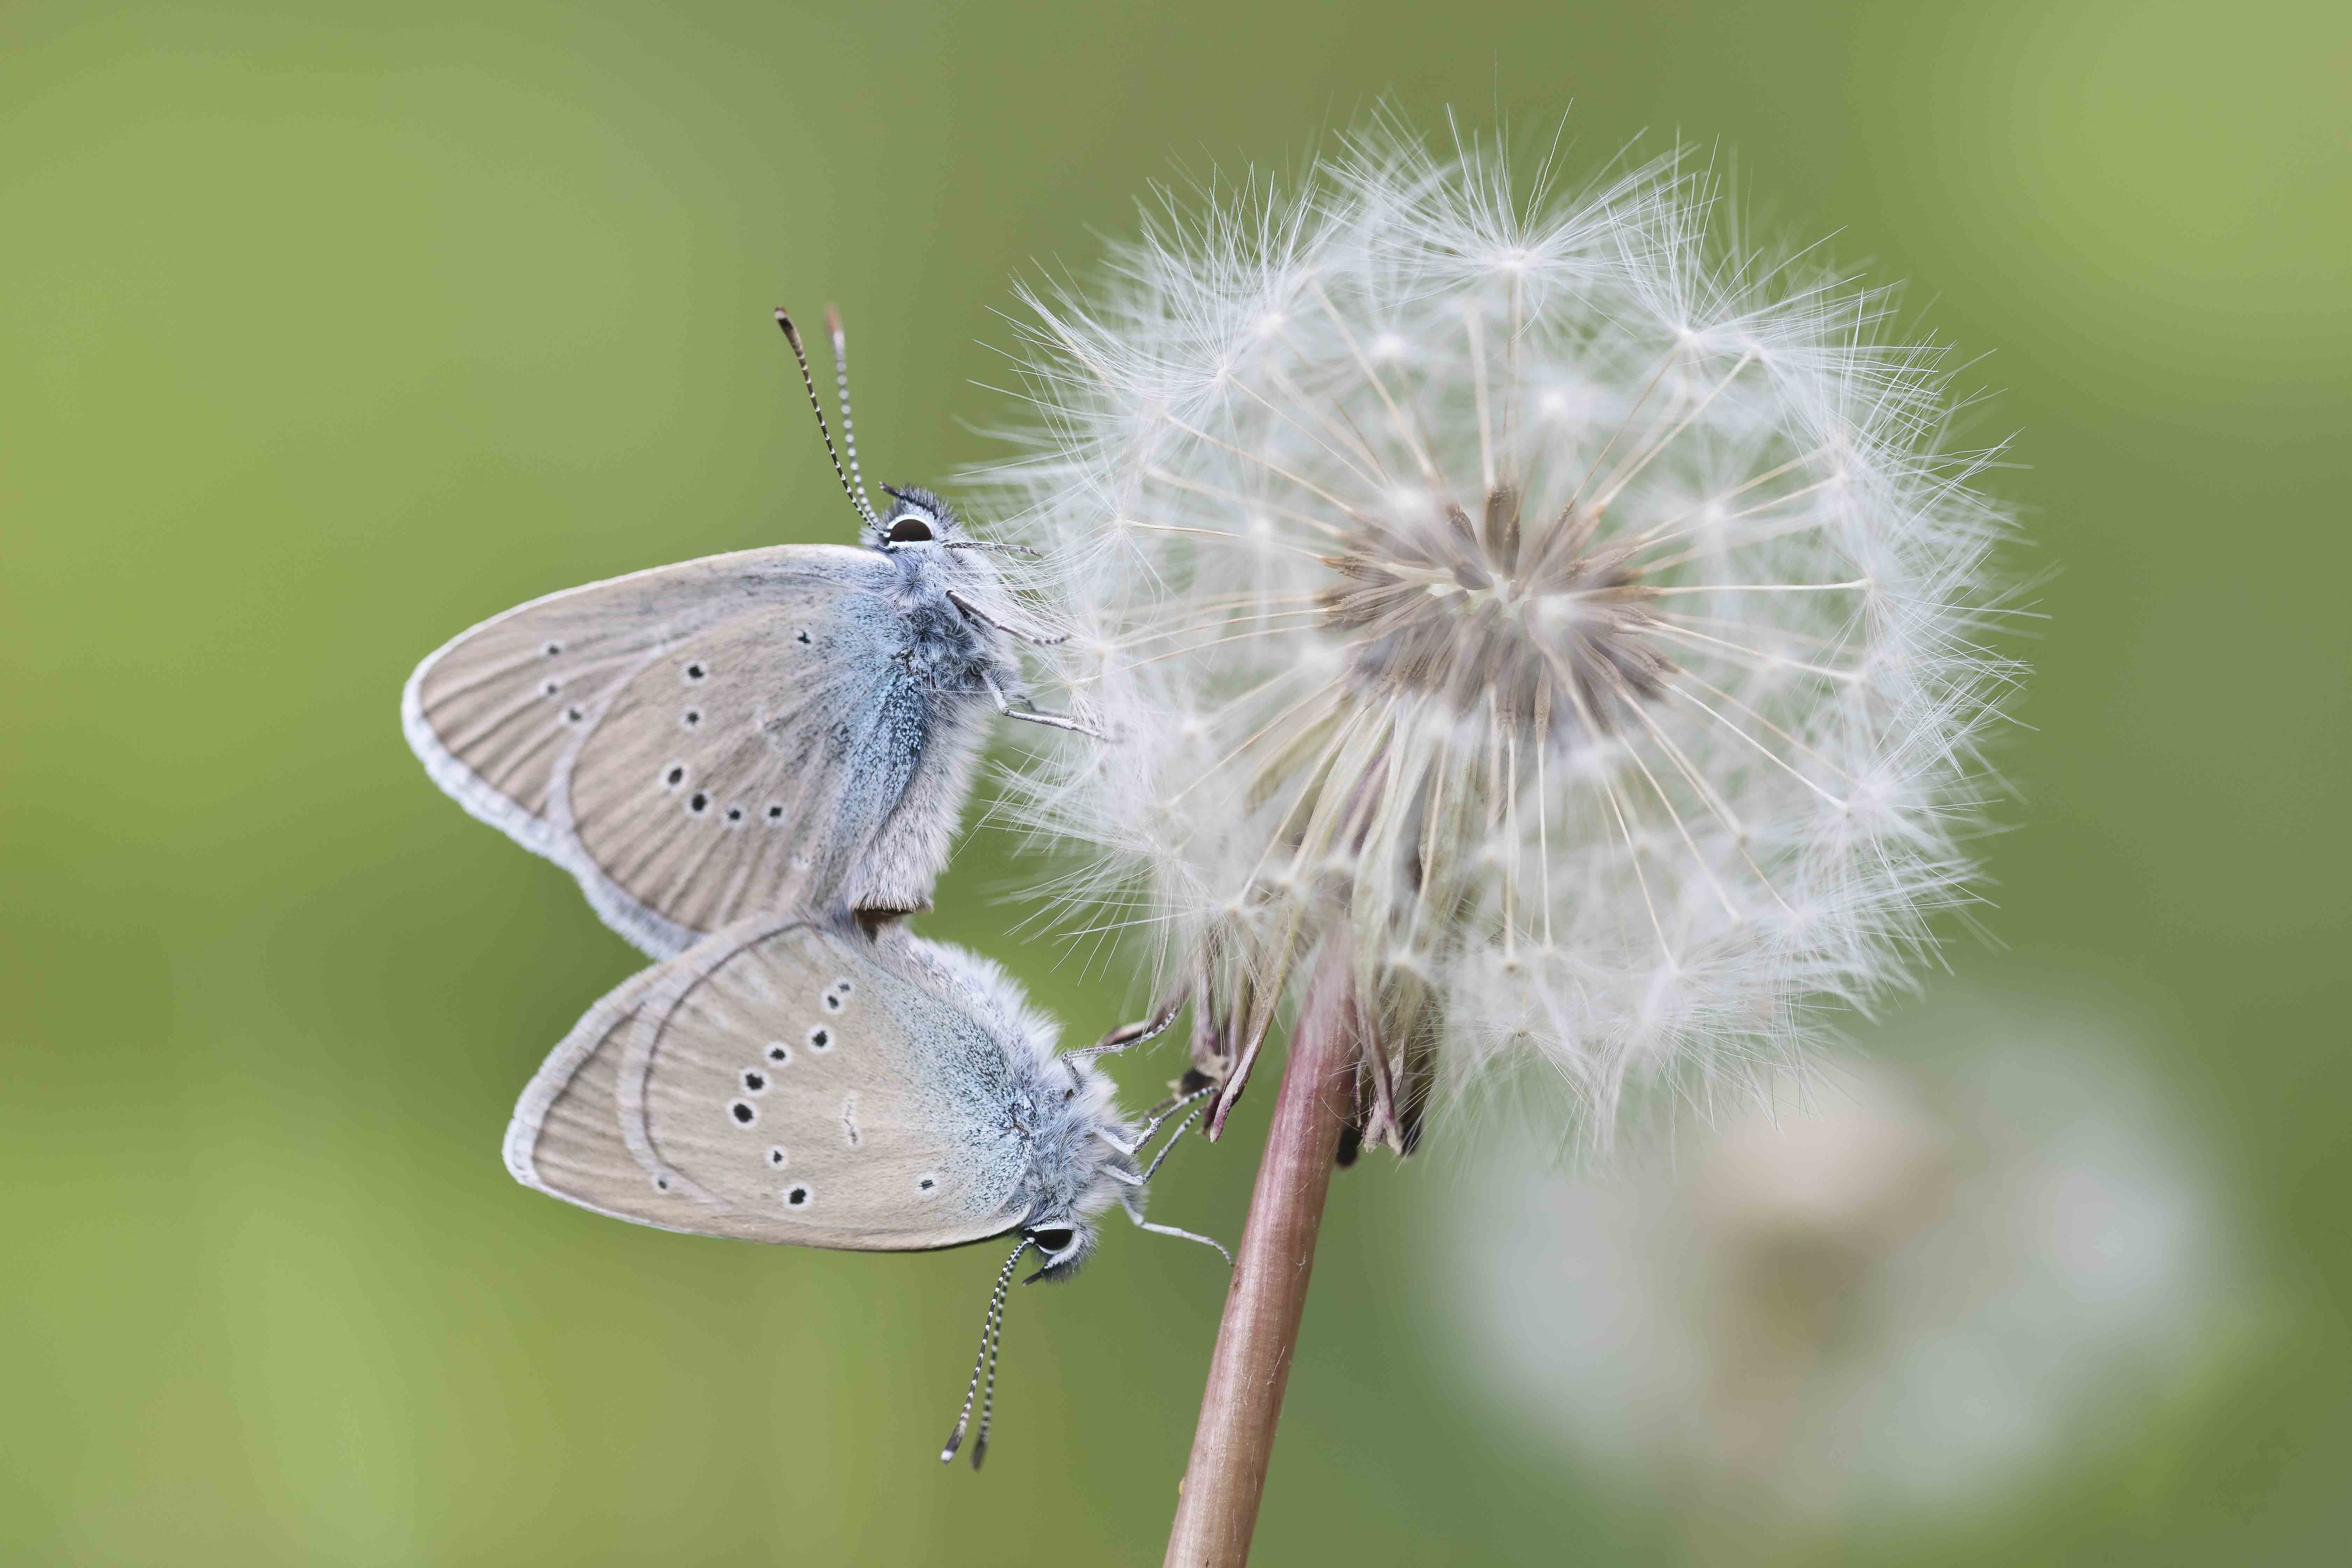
(1528, 579)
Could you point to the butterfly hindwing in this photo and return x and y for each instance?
(567, 1137)
(789, 1081)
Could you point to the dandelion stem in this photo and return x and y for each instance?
(1216, 1507)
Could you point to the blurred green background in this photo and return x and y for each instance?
(326, 331)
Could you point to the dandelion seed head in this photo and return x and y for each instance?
(1573, 615)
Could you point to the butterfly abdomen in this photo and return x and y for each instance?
(913, 761)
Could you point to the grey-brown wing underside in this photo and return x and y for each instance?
(491, 712)
(784, 1082)
(783, 759)
(567, 1137)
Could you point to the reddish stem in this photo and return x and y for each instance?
(1217, 1502)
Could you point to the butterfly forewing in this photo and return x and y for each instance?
(493, 711)
(749, 766)
(785, 1081)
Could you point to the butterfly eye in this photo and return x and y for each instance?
(910, 530)
(1054, 1241)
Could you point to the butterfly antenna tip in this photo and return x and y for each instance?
(800, 354)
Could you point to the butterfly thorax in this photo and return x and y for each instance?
(940, 647)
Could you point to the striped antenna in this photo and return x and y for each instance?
(840, 392)
(793, 336)
(990, 1331)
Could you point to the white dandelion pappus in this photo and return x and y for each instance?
(1568, 611)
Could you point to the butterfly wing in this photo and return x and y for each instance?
(493, 711)
(567, 1137)
(788, 1081)
(705, 739)
(786, 758)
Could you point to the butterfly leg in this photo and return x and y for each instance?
(995, 544)
(1167, 1148)
(1130, 1034)
(977, 613)
(1135, 1212)
(1187, 1235)
(1023, 709)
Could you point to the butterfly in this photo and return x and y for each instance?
(827, 1083)
(791, 727)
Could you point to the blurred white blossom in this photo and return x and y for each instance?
(1567, 610)
(1907, 1295)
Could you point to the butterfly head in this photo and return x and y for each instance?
(914, 519)
(1083, 1161)
(1081, 1166)
(1063, 1247)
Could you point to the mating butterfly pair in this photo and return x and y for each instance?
(754, 763)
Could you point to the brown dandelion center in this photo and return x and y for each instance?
(1543, 630)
